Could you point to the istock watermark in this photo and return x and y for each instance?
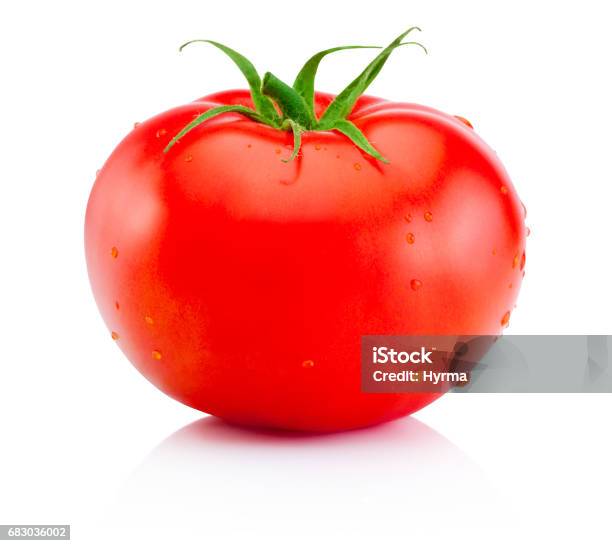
(574, 363)
(382, 355)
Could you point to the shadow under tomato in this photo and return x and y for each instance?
(219, 480)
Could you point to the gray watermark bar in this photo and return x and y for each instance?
(34, 532)
(517, 363)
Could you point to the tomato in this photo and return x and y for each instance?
(241, 285)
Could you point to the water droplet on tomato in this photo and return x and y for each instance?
(160, 133)
(148, 320)
(308, 363)
(114, 252)
(410, 238)
(189, 158)
(277, 151)
(408, 218)
(504, 190)
(465, 121)
(510, 285)
(357, 166)
(415, 284)
(249, 145)
(117, 305)
(156, 355)
(505, 319)
(494, 251)
(428, 216)
(317, 147)
(515, 261)
(523, 260)
(115, 335)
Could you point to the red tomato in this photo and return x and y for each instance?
(240, 285)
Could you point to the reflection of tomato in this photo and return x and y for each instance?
(240, 284)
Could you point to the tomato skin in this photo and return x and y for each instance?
(241, 285)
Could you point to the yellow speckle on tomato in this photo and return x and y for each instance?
(505, 319)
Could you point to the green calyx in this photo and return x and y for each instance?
(296, 103)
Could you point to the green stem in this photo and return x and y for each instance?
(304, 82)
(292, 105)
(213, 112)
(297, 139)
(296, 103)
(350, 130)
(262, 104)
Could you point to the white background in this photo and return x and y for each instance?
(79, 426)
